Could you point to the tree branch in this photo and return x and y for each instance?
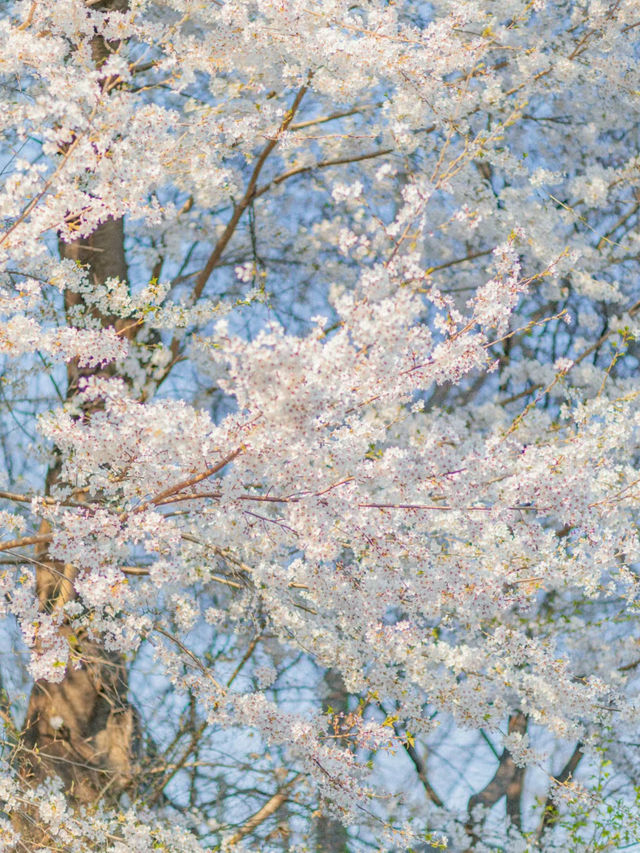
(269, 808)
(323, 164)
(421, 770)
(507, 781)
(550, 813)
(25, 540)
(245, 201)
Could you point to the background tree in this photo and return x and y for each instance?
(319, 418)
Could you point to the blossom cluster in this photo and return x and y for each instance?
(365, 384)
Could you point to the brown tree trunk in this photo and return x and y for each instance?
(81, 729)
(507, 781)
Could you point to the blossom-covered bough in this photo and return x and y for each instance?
(320, 412)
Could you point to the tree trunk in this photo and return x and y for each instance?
(82, 728)
(330, 833)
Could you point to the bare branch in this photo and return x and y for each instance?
(323, 164)
(269, 808)
(25, 540)
(245, 201)
(421, 770)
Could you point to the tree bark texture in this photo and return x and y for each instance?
(81, 729)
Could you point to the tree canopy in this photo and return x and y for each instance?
(319, 423)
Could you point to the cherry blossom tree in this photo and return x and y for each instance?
(320, 419)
